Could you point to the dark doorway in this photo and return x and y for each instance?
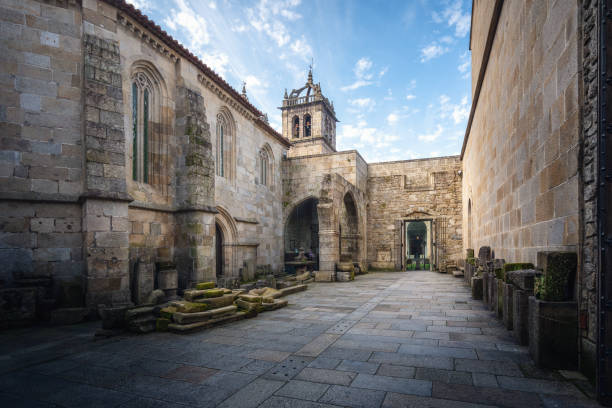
(219, 250)
(418, 245)
(302, 231)
(349, 230)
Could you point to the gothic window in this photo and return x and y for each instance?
(266, 166)
(142, 100)
(327, 129)
(307, 125)
(263, 167)
(225, 144)
(296, 127)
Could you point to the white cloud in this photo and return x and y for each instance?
(362, 74)
(217, 60)
(263, 18)
(431, 51)
(140, 4)
(464, 65)
(454, 16)
(447, 39)
(431, 137)
(389, 96)
(410, 97)
(212, 5)
(383, 72)
(457, 112)
(302, 48)
(363, 103)
(185, 19)
(392, 118)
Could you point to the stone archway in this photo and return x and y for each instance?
(225, 251)
(349, 230)
(302, 229)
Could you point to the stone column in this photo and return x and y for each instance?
(105, 201)
(329, 234)
(195, 241)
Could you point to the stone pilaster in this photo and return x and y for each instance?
(194, 252)
(105, 201)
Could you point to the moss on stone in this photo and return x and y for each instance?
(213, 293)
(499, 273)
(161, 324)
(190, 307)
(517, 266)
(167, 312)
(352, 275)
(469, 253)
(471, 260)
(205, 285)
(559, 275)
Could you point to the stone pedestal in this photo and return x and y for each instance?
(520, 315)
(477, 288)
(167, 280)
(324, 276)
(194, 250)
(553, 334)
(499, 294)
(508, 291)
(492, 292)
(485, 288)
(144, 281)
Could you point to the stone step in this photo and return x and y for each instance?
(278, 303)
(293, 289)
(137, 312)
(142, 325)
(222, 301)
(187, 328)
(458, 274)
(186, 318)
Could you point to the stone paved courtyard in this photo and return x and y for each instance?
(412, 339)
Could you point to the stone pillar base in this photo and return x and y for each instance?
(324, 276)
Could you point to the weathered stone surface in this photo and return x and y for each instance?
(523, 279)
(553, 333)
(194, 317)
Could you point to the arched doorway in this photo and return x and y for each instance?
(220, 259)
(302, 231)
(418, 245)
(349, 230)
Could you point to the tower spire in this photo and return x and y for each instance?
(244, 94)
(310, 71)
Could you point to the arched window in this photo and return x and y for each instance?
(327, 129)
(296, 127)
(307, 125)
(142, 100)
(263, 167)
(225, 144)
(266, 166)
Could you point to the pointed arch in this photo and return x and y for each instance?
(266, 165)
(307, 125)
(225, 253)
(226, 144)
(149, 142)
(295, 127)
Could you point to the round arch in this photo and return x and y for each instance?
(226, 236)
(301, 228)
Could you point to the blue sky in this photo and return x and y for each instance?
(398, 72)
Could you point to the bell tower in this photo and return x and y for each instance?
(309, 120)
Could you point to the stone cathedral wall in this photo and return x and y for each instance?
(522, 154)
(408, 190)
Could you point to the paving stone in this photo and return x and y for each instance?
(498, 355)
(347, 354)
(353, 397)
(81, 395)
(447, 376)
(324, 362)
(304, 390)
(268, 355)
(325, 376)
(538, 386)
(393, 384)
(487, 396)
(18, 401)
(358, 366)
(367, 345)
(228, 380)
(253, 394)
(289, 368)
(257, 367)
(390, 370)
(141, 402)
(484, 380)
(396, 400)
(318, 345)
(284, 402)
(492, 367)
(437, 351)
(412, 360)
(193, 374)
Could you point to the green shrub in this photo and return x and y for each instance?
(519, 266)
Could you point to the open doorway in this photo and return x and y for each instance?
(220, 259)
(302, 237)
(418, 246)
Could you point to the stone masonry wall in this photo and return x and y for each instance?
(521, 159)
(412, 189)
(41, 150)
(587, 283)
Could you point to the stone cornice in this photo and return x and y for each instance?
(143, 34)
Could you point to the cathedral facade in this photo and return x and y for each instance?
(125, 156)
